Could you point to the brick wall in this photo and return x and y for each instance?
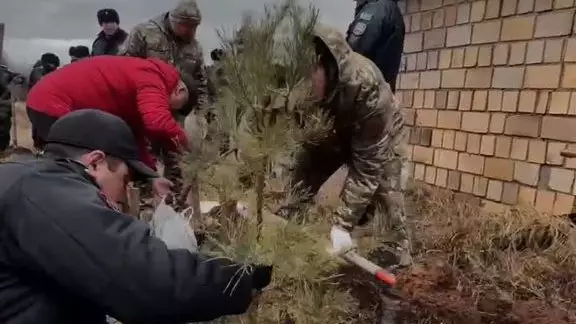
(489, 91)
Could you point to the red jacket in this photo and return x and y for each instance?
(134, 89)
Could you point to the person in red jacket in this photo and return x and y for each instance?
(142, 92)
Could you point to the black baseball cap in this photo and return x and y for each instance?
(98, 130)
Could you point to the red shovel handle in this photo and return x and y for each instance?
(386, 277)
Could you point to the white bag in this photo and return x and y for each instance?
(173, 228)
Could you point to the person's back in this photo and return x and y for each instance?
(377, 33)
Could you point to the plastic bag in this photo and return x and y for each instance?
(173, 228)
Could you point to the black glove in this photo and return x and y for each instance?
(261, 276)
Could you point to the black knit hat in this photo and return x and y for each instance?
(108, 16)
(50, 58)
(79, 51)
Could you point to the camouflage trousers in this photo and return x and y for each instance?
(385, 217)
(5, 124)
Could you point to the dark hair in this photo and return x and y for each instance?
(50, 58)
(79, 51)
(108, 15)
(217, 54)
(57, 150)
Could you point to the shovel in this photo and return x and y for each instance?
(342, 246)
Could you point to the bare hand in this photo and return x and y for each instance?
(162, 186)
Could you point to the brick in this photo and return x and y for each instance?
(544, 177)
(453, 78)
(467, 183)
(421, 59)
(497, 121)
(517, 53)
(432, 60)
(488, 145)
(510, 101)
(430, 4)
(458, 35)
(450, 15)
(542, 76)
(480, 100)
(407, 23)
(434, 38)
(436, 138)
(526, 173)
(446, 159)
(426, 137)
(460, 141)
(493, 208)
(492, 9)
(572, 107)
(473, 145)
(519, 149)
(523, 125)
(415, 135)
(475, 122)
(510, 193)
(508, 7)
(559, 4)
(517, 28)
(412, 6)
(485, 55)
(480, 186)
(441, 178)
(418, 99)
(410, 80)
(413, 42)
(453, 180)
(535, 52)
(500, 56)
(563, 205)
(501, 169)
(463, 13)
(555, 23)
(478, 78)
(409, 116)
(553, 50)
(503, 146)
(430, 79)
(542, 103)
(448, 139)
(569, 79)
(561, 180)
(494, 190)
(411, 62)
(543, 5)
(449, 119)
(570, 55)
(486, 32)
(429, 98)
(525, 6)
(553, 156)
(430, 175)
(438, 18)
(508, 77)
(495, 100)
(544, 201)
(453, 100)
(471, 56)
(527, 195)
(426, 23)
(457, 58)
(445, 58)
(537, 151)
(441, 99)
(527, 101)
(416, 22)
(471, 163)
(426, 118)
(478, 10)
(423, 154)
(559, 128)
(559, 102)
(419, 171)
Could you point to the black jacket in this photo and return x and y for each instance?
(108, 45)
(66, 256)
(37, 73)
(377, 32)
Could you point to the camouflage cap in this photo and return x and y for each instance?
(186, 11)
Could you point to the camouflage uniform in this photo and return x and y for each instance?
(368, 137)
(156, 39)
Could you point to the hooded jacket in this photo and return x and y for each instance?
(377, 32)
(156, 39)
(134, 89)
(367, 119)
(104, 45)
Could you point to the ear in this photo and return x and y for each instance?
(93, 159)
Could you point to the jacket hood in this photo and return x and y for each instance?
(170, 75)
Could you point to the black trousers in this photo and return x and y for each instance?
(41, 124)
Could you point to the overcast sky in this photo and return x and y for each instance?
(37, 26)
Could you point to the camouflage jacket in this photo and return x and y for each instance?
(367, 118)
(155, 39)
